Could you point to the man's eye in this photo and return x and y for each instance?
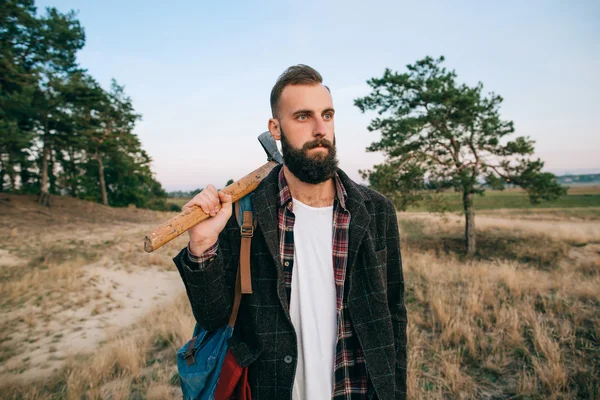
(302, 117)
(328, 116)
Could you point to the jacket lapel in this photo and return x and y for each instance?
(359, 218)
(264, 200)
(265, 205)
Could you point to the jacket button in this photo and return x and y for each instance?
(287, 359)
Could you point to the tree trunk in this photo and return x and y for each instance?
(469, 222)
(2, 173)
(52, 183)
(72, 174)
(72, 181)
(10, 169)
(102, 183)
(44, 197)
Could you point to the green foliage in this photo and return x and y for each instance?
(403, 183)
(539, 185)
(439, 133)
(173, 207)
(57, 124)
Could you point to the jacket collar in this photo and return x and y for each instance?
(285, 195)
(266, 198)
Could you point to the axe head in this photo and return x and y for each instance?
(270, 146)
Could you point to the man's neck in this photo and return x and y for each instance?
(319, 195)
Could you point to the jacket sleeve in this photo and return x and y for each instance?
(395, 289)
(210, 285)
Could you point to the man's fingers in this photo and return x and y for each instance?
(209, 200)
(214, 197)
(187, 205)
(225, 199)
(213, 202)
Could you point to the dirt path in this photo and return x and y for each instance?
(119, 299)
(71, 277)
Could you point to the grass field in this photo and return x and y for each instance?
(519, 321)
(178, 200)
(577, 197)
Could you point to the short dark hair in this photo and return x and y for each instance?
(295, 75)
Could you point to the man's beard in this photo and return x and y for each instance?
(315, 169)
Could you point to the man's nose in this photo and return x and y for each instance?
(320, 128)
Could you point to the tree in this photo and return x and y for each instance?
(17, 86)
(60, 131)
(439, 133)
(34, 51)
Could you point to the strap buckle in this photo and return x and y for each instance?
(247, 231)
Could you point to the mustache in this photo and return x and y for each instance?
(318, 142)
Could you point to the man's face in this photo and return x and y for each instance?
(304, 124)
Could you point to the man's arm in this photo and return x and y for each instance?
(209, 280)
(395, 289)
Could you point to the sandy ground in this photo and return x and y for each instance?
(75, 275)
(9, 260)
(131, 295)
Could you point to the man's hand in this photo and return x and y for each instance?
(206, 233)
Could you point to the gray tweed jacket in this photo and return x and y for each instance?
(264, 338)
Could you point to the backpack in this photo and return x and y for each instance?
(207, 368)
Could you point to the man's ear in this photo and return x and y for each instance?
(274, 128)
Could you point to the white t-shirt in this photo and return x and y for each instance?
(313, 307)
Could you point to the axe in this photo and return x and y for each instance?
(185, 220)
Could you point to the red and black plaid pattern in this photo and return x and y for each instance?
(349, 368)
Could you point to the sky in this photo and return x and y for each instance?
(200, 72)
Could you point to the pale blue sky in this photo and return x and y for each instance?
(200, 73)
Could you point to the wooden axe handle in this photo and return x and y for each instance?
(184, 221)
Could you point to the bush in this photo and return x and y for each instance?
(156, 204)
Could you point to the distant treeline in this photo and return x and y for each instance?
(60, 131)
(178, 194)
(578, 179)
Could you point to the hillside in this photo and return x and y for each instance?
(24, 210)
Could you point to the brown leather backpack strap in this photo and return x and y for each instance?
(236, 300)
(243, 281)
(247, 233)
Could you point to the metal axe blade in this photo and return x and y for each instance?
(270, 146)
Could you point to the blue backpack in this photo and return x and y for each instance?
(200, 360)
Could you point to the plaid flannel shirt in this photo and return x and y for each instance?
(349, 367)
(350, 371)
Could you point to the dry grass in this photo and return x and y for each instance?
(571, 232)
(139, 362)
(499, 327)
(521, 320)
(545, 214)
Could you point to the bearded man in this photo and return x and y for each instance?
(326, 319)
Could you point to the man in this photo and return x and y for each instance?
(326, 318)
